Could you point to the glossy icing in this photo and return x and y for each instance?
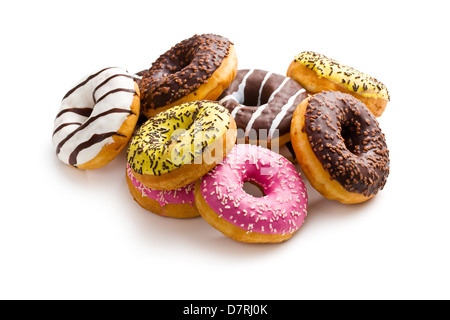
(283, 208)
(177, 196)
(91, 113)
(177, 136)
(349, 77)
(348, 141)
(260, 100)
(182, 69)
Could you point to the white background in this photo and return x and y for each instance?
(72, 234)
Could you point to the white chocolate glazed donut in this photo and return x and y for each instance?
(96, 118)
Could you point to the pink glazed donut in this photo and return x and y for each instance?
(275, 217)
(177, 203)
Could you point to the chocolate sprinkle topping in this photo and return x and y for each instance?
(182, 69)
(347, 140)
(157, 147)
(349, 77)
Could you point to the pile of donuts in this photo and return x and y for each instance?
(196, 129)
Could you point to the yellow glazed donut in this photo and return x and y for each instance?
(180, 145)
(317, 73)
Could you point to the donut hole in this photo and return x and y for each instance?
(254, 189)
(186, 60)
(89, 111)
(181, 63)
(176, 64)
(252, 99)
(350, 138)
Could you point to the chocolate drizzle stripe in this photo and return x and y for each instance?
(85, 112)
(65, 125)
(85, 81)
(115, 91)
(88, 122)
(96, 138)
(81, 120)
(106, 81)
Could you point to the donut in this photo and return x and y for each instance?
(179, 145)
(178, 203)
(318, 73)
(275, 217)
(198, 68)
(262, 104)
(340, 147)
(96, 118)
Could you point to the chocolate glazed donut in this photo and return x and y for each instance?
(340, 147)
(198, 68)
(262, 104)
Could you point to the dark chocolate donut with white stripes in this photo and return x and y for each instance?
(262, 104)
(96, 118)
